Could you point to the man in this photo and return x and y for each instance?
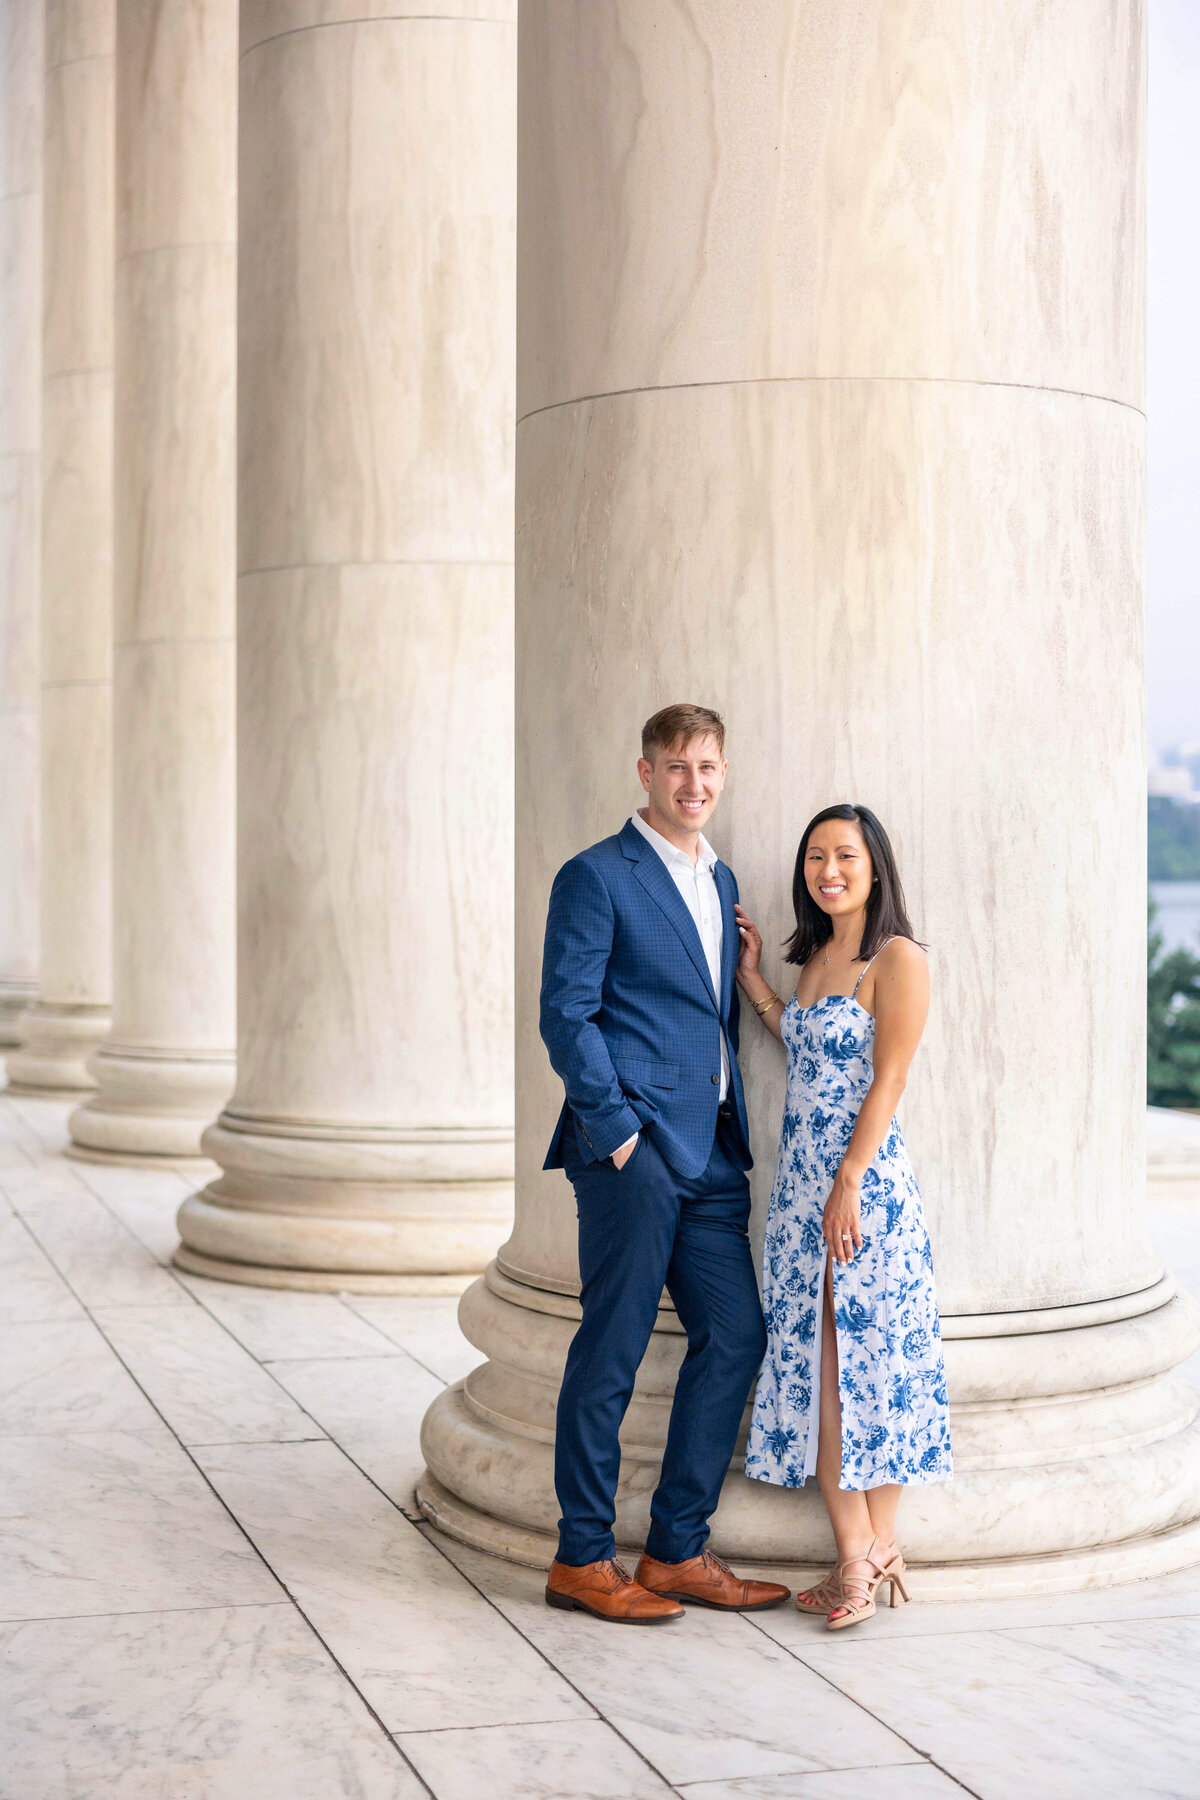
(640, 1016)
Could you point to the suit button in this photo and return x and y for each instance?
(716, 1080)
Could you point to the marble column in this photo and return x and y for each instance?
(21, 98)
(830, 344)
(167, 1067)
(71, 1015)
(368, 1143)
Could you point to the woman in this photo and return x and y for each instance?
(852, 1389)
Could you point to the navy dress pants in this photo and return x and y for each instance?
(641, 1228)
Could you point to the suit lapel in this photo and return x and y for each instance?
(652, 872)
(730, 938)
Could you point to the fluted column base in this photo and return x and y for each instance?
(56, 1043)
(305, 1205)
(1077, 1451)
(16, 997)
(151, 1106)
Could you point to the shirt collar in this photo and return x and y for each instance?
(706, 859)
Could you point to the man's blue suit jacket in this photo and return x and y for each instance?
(628, 1011)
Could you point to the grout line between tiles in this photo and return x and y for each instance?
(921, 1755)
(148, 1612)
(430, 1538)
(230, 1514)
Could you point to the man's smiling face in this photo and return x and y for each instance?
(683, 784)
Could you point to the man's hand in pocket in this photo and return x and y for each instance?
(622, 1155)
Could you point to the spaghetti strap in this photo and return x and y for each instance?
(879, 952)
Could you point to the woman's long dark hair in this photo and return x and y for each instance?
(886, 917)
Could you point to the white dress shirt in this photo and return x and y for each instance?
(697, 884)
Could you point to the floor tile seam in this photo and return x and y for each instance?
(394, 1354)
(1113, 1678)
(407, 1731)
(43, 1143)
(149, 1612)
(87, 1193)
(904, 1636)
(430, 1537)
(254, 1443)
(347, 1300)
(265, 1362)
(321, 1435)
(913, 1762)
(918, 1754)
(285, 1589)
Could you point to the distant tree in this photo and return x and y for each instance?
(1172, 1024)
(1174, 847)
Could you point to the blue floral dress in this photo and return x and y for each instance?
(892, 1383)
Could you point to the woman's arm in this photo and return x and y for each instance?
(751, 979)
(901, 1009)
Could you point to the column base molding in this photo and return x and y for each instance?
(1077, 1449)
(56, 1043)
(329, 1207)
(1072, 1572)
(314, 1281)
(151, 1107)
(16, 997)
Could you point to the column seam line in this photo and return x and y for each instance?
(393, 562)
(49, 375)
(228, 637)
(127, 256)
(72, 62)
(673, 387)
(387, 19)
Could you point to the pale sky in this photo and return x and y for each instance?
(1173, 354)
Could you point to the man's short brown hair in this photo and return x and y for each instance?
(679, 725)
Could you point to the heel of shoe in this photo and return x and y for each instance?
(897, 1581)
(562, 1601)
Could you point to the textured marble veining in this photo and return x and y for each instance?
(274, 1325)
(772, 191)
(209, 1705)
(102, 1261)
(829, 390)
(168, 1065)
(1108, 1711)
(427, 1328)
(203, 1383)
(585, 1760)
(70, 1015)
(186, 1683)
(369, 1583)
(712, 1697)
(903, 1781)
(105, 1522)
(21, 105)
(33, 1288)
(370, 1131)
(372, 1407)
(61, 1377)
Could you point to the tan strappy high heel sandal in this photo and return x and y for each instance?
(858, 1591)
(822, 1598)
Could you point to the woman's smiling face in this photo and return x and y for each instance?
(837, 867)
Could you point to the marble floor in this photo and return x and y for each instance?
(214, 1585)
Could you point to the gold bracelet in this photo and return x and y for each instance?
(764, 1008)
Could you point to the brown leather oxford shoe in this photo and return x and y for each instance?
(705, 1580)
(608, 1590)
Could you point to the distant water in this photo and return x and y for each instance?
(1178, 916)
